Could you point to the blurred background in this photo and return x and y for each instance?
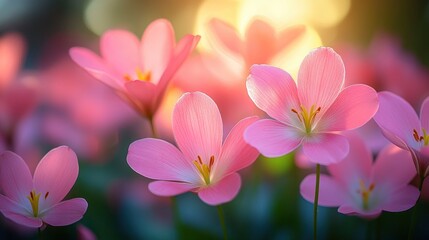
(47, 101)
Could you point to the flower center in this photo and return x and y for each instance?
(204, 169)
(142, 76)
(307, 117)
(365, 192)
(421, 138)
(34, 201)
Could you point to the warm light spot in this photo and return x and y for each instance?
(307, 117)
(204, 169)
(365, 193)
(139, 75)
(34, 201)
(421, 138)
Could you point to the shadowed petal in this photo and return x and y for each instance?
(144, 92)
(223, 191)
(157, 47)
(23, 220)
(331, 194)
(66, 212)
(197, 126)
(158, 159)
(120, 48)
(326, 148)
(15, 177)
(260, 42)
(225, 36)
(397, 117)
(350, 209)
(289, 35)
(55, 175)
(320, 78)
(8, 205)
(273, 91)
(354, 107)
(167, 189)
(272, 138)
(402, 199)
(236, 153)
(424, 114)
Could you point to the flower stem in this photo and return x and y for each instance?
(176, 217)
(316, 201)
(39, 233)
(222, 221)
(414, 212)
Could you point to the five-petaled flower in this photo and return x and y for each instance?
(202, 164)
(360, 187)
(34, 201)
(138, 70)
(308, 112)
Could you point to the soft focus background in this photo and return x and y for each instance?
(383, 43)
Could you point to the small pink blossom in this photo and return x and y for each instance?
(138, 70)
(35, 201)
(401, 125)
(201, 163)
(360, 187)
(308, 112)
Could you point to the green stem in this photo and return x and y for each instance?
(176, 217)
(222, 221)
(316, 201)
(39, 233)
(414, 213)
(378, 228)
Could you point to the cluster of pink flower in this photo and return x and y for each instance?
(309, 114)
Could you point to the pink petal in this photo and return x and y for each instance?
(168, 189)
(12, 47)
(10, 206)
(85, 233)
(158, 159)
(326, 148)
(223, 191)
(120, 49)
(66, 212)
(144, 92)
(55, 175)
(394, 167)
(260, 42)
(402, 199)
(331, 193)
(289, 35)
(424, 114)
(320, 78)
(197, 126)
(225, 37)
(397, 118)
(24, 220)
(272, 138)
(236, 153)
(96, 67)
(157, 47)
(350, 209)
(15, 177)
(354, 107)
(273, 91)
(356, 166)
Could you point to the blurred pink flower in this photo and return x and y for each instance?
(36, 201)
(360, 187)
(309, 112)
(202, 164)
(12, 48)
(84, 233)
(401, 125)
(138, 70)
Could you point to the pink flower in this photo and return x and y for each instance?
(308, 112)
(139, 70)
(36, 201)
(12, 47)
(201, 164)
(360, 187)
(401, 125)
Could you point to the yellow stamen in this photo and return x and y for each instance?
(204, 169)
(421, 138)
(142, 76)
(34, 201)
(307, 117)
(365, 193)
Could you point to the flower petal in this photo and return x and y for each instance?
(273, 91)
(354, 107)
(23, 219)
(95, 66)
(236, 153)
(12, 47)
(326, 148)
(272, 138)
(402, 199)
(168, 189)
(120, 49)
(396, 117)
(351, 209)
(260, 42)
(66, 212)
(320, 78)
(424, 114)
(15, 177)
(144, 92)
(223, 191)
(158, 159)
(9, 205)
(394, 167)
(197, 126)
(331, 193)
(55, 175)
(289, 35)
(225, 37)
